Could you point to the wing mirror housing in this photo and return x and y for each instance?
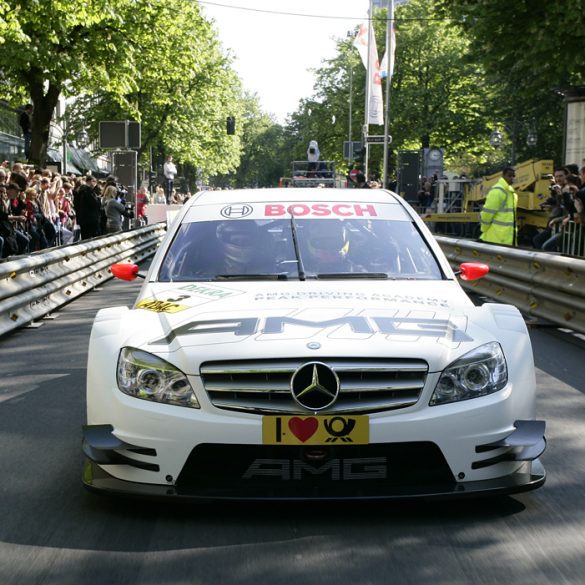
(472, 270)
(125, 271)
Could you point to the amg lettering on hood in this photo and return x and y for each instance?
(358, 324)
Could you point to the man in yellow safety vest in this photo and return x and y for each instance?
(498, 216)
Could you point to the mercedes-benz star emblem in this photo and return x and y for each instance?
(315, 386)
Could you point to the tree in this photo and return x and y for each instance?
(57, 47)
(535, 39)
(155, 61)
(525, 51)
(262, 163)
(438, 96)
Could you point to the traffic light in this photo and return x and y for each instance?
(231, 125)
(151, 180)
(359, 154)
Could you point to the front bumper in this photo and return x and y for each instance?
(374, 471)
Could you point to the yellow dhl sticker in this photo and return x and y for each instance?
(160, 306)
(315, 430)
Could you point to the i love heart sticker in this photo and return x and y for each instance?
(303, 428)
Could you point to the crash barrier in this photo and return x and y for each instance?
(573, 240)
(33, 286)
(543, 285)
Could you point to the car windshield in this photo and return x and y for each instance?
(291, 249)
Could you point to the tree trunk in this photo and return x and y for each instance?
(44, 104)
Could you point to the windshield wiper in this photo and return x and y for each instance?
(300, 267)
(267, 276)
(350, 275)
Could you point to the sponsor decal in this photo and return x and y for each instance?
(315, 430)
(159, 306)
(209, 291)
(347, 295)
(321, 210)
(334, 469)
(402, 326)
(236, 211)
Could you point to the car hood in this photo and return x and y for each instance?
(190, 323)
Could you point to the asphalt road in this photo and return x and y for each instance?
(53, 532)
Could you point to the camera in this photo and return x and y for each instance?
(129, 213)
(121, 191)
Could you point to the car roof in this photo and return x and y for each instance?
(297, 194)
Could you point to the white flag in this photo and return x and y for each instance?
(375, 105)
(384, 65)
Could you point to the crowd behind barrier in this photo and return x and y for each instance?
(42, 209)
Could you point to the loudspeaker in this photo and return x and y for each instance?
(125, 168)
(120, 134)
(409, 174)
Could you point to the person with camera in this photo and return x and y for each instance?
(564, 189)
(313, 158)
(115, 207)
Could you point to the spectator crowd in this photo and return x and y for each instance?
(41, 208)
(565, 206)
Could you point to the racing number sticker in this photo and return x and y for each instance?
(160, 306)
(315, 430)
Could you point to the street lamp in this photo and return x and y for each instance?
(82, 139)
(496, 137)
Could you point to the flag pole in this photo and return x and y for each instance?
(389, 67)
(367, 92)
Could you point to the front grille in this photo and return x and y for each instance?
(287, 472)
(263, 386)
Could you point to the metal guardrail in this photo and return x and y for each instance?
(33, 286)
(540, 284)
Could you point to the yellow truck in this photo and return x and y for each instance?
(533, 179)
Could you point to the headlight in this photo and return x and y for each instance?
(477, 373)
(143, 375)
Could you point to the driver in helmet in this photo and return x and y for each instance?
(241, 246)
(327, 246)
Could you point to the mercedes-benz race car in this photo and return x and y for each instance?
(308, 343)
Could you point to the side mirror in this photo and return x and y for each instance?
(125, 271)
(472, 270)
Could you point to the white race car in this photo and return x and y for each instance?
(308, 343)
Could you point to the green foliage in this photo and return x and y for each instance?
(532, 40)
(463, 68)
(155, 61)
(447, 91)
(528, 52)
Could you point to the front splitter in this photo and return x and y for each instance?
(97, 480)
